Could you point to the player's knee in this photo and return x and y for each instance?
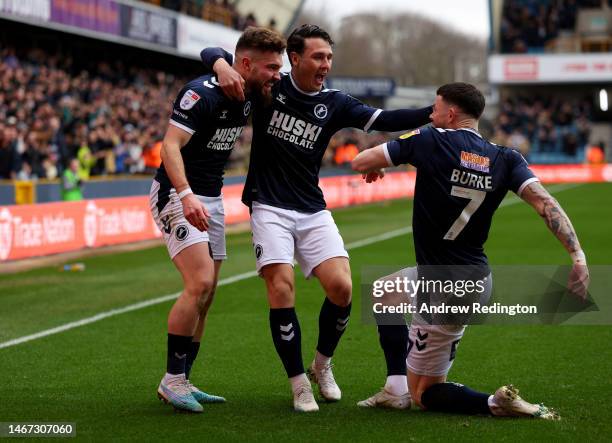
(340, 290)
(281, 290)
(200, 286)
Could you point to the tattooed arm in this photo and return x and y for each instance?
(559, 223)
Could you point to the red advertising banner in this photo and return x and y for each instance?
(50, 228)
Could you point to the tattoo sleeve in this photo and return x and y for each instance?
(554, 216)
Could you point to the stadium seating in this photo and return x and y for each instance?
(530, 26)
(223, 12)
(546, 130)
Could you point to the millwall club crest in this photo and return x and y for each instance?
(189, 99)
(320, 111)
(181, 232)
(247, 109)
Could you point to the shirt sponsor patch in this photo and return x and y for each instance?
(474, 161)
(410, 134)
(189, 99)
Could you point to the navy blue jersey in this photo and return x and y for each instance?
(215, 124)
(461, 180)
(291, 134)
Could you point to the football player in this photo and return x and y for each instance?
(289, 219)
(461, 181)
(186, 199)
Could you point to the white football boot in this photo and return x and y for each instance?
(324, 377)
(385, 399)
(506, 402)
(303, 399)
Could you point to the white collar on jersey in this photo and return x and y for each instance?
(472, 130)
(299, 90)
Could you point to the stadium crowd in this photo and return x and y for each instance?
(545, 125)
(112, 120)
(108, 119)
(527, 25)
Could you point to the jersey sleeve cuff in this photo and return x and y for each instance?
(182, 126)
(387, 156)
(525, 184)
(370, 122)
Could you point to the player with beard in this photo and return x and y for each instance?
(288, 218)
(186, 199)
(461, 181)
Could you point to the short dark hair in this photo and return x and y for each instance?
(261, 39)
(295, 42)
(465, 96)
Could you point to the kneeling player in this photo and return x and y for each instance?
(461, 181)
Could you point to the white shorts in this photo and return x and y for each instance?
(179, 233)
(282, 235)
(432, 347)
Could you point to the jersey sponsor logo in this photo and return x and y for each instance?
(287, 127)
(474, 181)
(190, 98)
(224, 138)
(223, 115)
(247, 108)
(181, 233)
(281, 98)
(180, 114)
(320, 111)
(410, 134)
(474, 161)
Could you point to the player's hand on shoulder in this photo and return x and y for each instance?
(195, 212)
(578, 282)
(231, 82)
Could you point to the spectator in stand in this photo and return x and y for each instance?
(152, 157)
(346, 152)
(9, 156)
(71, 182)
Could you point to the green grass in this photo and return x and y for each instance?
(103, 376)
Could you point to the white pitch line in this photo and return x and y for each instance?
(225, 281)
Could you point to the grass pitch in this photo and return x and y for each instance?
(103, 376)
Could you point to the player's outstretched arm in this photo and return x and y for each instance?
(220, 62)
(193, 209)
(560, 225)
(402, 119)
